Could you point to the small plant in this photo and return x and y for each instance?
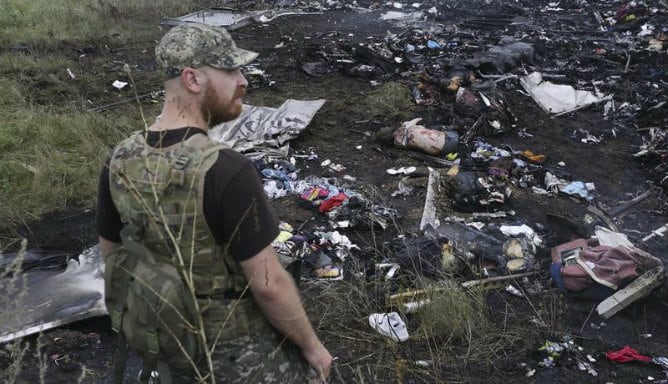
(454, 315)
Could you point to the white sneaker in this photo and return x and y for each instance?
(402, 170)
(390, 325)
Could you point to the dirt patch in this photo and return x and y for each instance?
(346, 131)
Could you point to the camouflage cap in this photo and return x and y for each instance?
(196, 45)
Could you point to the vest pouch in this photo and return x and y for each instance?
(157, 312)
(230, 319)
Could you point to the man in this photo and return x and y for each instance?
(205, 87)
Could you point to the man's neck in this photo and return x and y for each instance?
(160, 126)
(177, 115)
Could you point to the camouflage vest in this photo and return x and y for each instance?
(164, 287)
(161, 190)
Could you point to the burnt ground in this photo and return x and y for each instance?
(569, 45)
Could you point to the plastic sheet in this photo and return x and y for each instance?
(556, 98)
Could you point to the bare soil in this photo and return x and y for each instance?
(609, 165)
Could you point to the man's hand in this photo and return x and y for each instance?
(320, 359)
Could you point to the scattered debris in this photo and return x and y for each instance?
(636, 290)
(558, 99)
(265, 131)
(119, 84)
(233, 20)
(467, 79)
(626, 354)
(390, 325)
(505, 56)
(590, 269)
(657, 232)
(80, 289)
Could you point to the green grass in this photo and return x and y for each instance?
(50, 158)
(52, 144)
(391, 101)
(41, 22)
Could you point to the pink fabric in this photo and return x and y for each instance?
(626, 354)
(612, 266)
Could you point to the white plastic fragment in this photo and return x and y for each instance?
(585, 366)
(646, 30)
(337, 167)
(413, 306)
(119, 84)
(343, 224)
(429, 210)
(479, 225)
(516, 230)
(514, 291)
(424, 363)
(392, 271)
(338, 239)
(402, 16)
(558, 99)
(390, 325)
(402, 189)
(657, 232)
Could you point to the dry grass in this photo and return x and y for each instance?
(454, 334)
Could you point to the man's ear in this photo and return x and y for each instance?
(192, 79)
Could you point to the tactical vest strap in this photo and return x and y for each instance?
(164, 372)
(121, 358)
(177, 175)
(182, 160)
(152, 342)
(116, 313)
(214, 149)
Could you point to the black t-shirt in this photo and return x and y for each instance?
(235, 205)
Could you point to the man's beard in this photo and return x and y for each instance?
(216, 111)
